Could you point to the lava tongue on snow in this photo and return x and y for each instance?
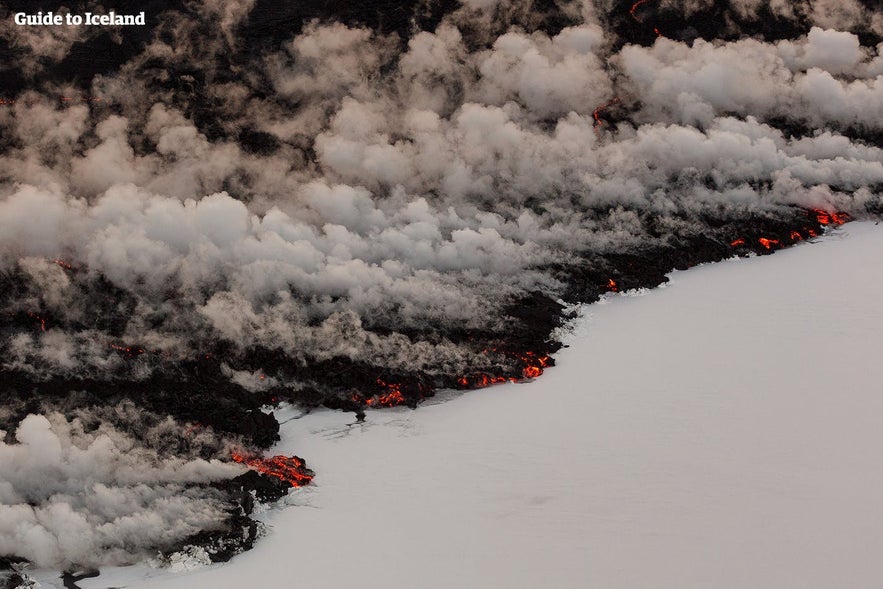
(826, 218)
(289, 469)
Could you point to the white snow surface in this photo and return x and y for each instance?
(724, 431)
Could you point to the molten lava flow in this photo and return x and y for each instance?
(796, 236)
(532, 371)
(4, 101)
(391, 398)
(533, 366)
(596, 114)
(63, 264)
(611, 285)
(768, 243)
(826, 218)
(290, 469)
(480, 381)
(737, 242)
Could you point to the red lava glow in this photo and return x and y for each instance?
(5, 102)
(737, 242)
(535, 364)
(63, 264)
(391, 398)
(596, 114)
(796, 236)
(128, 349)
(767, 243)
(634, 9)
(480, 381)
(290, 469)
(532, 371)
(392, 395)
(39, 318)
(533, 367)
(611, 285)
(826, 218)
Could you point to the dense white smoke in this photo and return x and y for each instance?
(825, 80)
(402, 191)
(74, 495)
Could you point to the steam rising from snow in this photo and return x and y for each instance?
(401, 187)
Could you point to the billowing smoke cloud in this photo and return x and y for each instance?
(825, 80)
(365, 203)
(87, 494)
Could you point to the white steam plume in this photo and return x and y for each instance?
(72, 495)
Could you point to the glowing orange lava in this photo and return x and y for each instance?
(290, 469)
(826, 218)
(128, 349)
(737, 242)
(480, 381)
(796, 236)
(391, 398)
(533, 367)
(611, 285)
(532, 371)
(535, 364)
(596, 114)
(767, 243)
